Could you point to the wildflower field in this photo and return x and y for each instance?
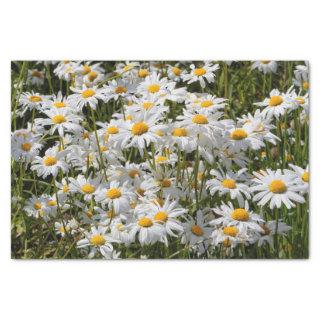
(159, 159)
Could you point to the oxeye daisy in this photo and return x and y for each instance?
(208, 102)
(66, 69)
(153, 85)
(25, 147)
(165, 214)
(85, 97)
(228, 236)
(301, 76)
(302, 176)
(50, 163)
(175, 72)
(276, 105)
(242, 138)
(230, 183)
(85, 186)
(117, 197)
(265, 66)
(121, 232)
(116, 89)
(98, 241)
(269, 229)
(125, 173)
(57, 102)
(140, 132)
(244, 219)
(30, 101)
(149, 231)
(61, 120)
(34, 206)
(36, 77)
(205, 72)
(277, 188)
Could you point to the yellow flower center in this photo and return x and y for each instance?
(104, 148)
(88, 93)
(240, 215)
(161, 216)
(197, 230)
(128, 117)
(97, 240)
(231, 231)
(176, 71)
(113, 193)
(92, 76)
(200, 119)
(265, 61)
(200, 72)
(277, 186)
(49, 161)
(160, 133)
(141, 191)
(37, 205)
(139, 128)
(26, 146)
(147, 105)
(154, 88)
(179, 132)
(133, 173)
(238, 134)
(305, 85)
(86, 69)
(59, 104)
(113, 130)
(59, 118)
(88, 188)
(35, 98)
(145, 222)
(206, 103)
(166, 183)
(143, 73)
(89, 214)
(65, 188)
(305, 176)
(300, 100)
(128, 67)
(52, 203)
(120, 89)
(36, 74)
(229, 183)
(275, 101)
(160, 159)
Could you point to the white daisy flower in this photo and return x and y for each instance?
(265, 66)
(85, 186)
(50, 163)
(276, 188)
(206, 72)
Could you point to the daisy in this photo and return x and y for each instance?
(175, 73)
(36, 77)
(85, 186)
(301, 76)
(269, 229)
(139, 132)
(228, 236)
(302, 176)
(116, 89)
(153, 85)
(98, 241)
(165, 214)
(242, 218)
(196, 231)
(85, 97)
(57, 102)
(229, 183)
(206, 72)
(25, 147)
(50, 163)
(208, 102)
(242, 138)
(117, 197)
(265, 66)
(148, 230)
(34, 206)
(66, 69)
(61, 120)
(30, 101)
(121, 232)
(277, 188)
(276, 105)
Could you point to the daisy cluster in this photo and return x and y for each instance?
(144, 159)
